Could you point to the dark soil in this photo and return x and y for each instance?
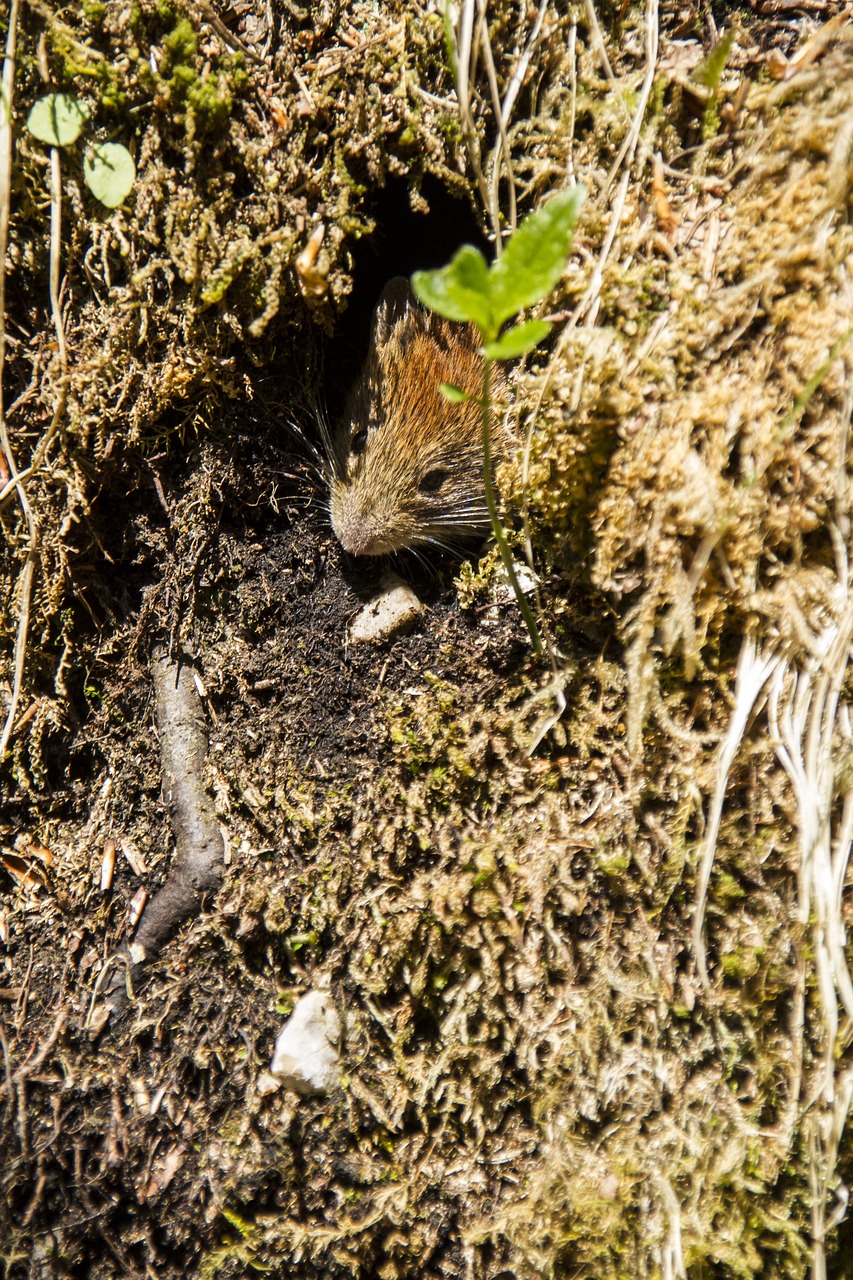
(297, 724)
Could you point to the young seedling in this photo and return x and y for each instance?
(709, 74)
(471, 291)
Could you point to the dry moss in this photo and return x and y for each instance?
(697, 431)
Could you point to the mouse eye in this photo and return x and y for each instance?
(433, 481)
(358, 442)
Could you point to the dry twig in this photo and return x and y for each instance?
(16, 482)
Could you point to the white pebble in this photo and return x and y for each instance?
(525, 577)
(395, 607)
(306, 1052)
(266, 1083)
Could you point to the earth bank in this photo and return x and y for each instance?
(595, 997)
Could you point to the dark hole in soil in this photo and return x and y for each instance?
(404, 241)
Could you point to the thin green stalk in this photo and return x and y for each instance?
(494, 515)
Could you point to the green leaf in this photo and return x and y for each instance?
(535, 257)
(109, 172)
(710, 70)
(454, 394)
(458, 291)
(518, 340)
(57, 119)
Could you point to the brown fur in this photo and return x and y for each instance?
(413, 434)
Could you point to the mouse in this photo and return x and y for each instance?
(405, 465)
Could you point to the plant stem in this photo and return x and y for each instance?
(494, 516)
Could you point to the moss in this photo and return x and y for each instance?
(80, 62)
(538, 1081)
(728, 889)
(209, 103)
(93, 11)
(745, 964)
(179, 47)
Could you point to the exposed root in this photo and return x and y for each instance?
(199, 847)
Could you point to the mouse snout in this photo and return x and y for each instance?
(360, 532)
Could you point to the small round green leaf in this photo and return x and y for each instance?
(109, 172)
(57, 119)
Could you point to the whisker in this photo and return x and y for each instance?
(420, 557)
(440, 544)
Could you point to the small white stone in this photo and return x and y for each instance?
(266, 1083)
(306, 1052)
(609, 1188)
(395, 607)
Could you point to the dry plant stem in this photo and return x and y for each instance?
(600, 47)
(806, 716)
(199, 849)
(520, 71)
(502, 143)
(27, 575)
(55, 310)
(629, 145)
(464, 38)
(25, 581)
(827, 1131)
(754, 670)
(573, 80)
(502, 110)
(7, 89)
(494, 515)
(672, 1255)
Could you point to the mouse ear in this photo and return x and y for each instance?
(396, 302)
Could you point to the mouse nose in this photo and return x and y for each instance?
(356, 534)
(357, 541)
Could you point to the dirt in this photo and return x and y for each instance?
(298, 727)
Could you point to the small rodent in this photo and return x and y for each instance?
(405, 464)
